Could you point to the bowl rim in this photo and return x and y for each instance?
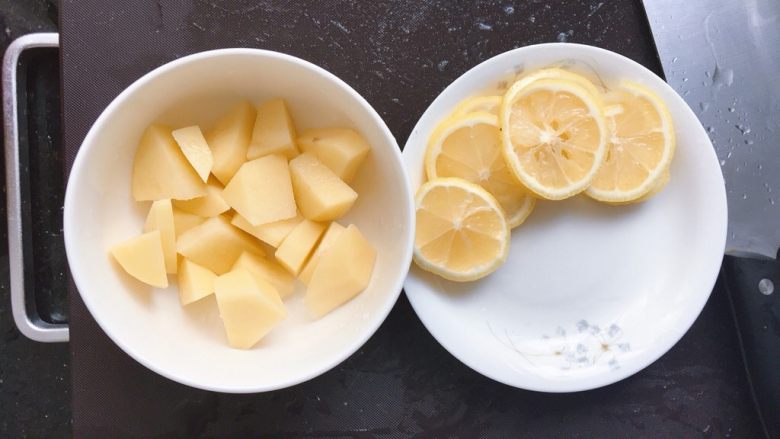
(69, 221)
(660, 347)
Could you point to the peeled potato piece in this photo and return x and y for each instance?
(261, 191)
(334, 230)
(229, 140)
(160, 169)
(216, 244)
(195, 282)
(274, 131)
(207, 206)
(160, 218)
(267, 270)
(142, 257)
(344, 270)
(195, 149)
(298, 245)
(319, 193)
(248, 306)
(342, 150)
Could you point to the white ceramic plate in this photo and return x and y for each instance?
(590, 293)
(188, 344)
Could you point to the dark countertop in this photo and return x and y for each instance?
(401, 382)
(34, 377)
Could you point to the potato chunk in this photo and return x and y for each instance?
(342, 150)
(142, 257)
(261, 191)
(298, 245)
(271, 233)
(160, 169)
(274, 131)
(216, 244)
(344, 270)
(195, 282)
(249, 307)
(334, 230)
(207, 206)
(229, 140)
(267, 270)
(320, 194)
(160, 218)
(183, 221)
(195, 149)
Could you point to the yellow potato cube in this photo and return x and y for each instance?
(160, 169)
(249, 307)
(261, 191)
(298, 245)
(267, 270)
(160, 218)
(274, 131)
(229, 140)
(195, 149)
(142, 257)
(216, 244)
(342, 150)
(320, 194)
(271, 233)
(334, 230)
(207, 206)
(195, 282)
(183, 221)
(344, 270)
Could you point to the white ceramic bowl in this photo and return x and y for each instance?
(188, 345)
(590, 293)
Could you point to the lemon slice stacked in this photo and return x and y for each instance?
(462, 233)
(552, 135)
(469, 146)
(641, 146)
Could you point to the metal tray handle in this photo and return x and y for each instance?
(31, 326)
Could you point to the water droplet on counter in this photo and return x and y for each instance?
(685, 79)
(509, 9)
(703, 106)
(723, 163)
(675, 59)
(722, 77)
(744, 196)
(710, 129)
(744, 129)
(766, 286)
(732, 109)
(564, 36)
(442, 65)
(748, 142)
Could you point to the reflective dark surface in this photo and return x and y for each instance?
(399, 55)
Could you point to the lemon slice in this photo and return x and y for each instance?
(554, 136)
(640, 148)
(469, 147)
(559, 73)
(488, 104)
(462, 234)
